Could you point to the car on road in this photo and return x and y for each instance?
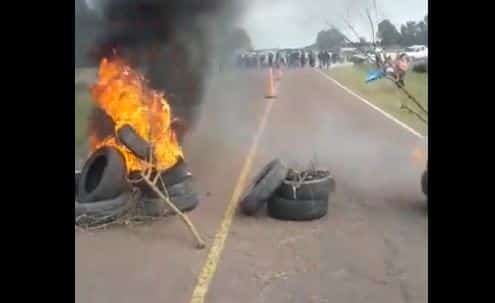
(416, 52)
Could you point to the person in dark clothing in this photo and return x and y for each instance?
(312, 59)
(270, 60)
(303, 59)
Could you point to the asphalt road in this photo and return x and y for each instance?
(371, 247)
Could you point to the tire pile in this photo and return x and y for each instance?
(103, 192)
(289, 195)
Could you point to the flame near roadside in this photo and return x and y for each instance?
(123, 94)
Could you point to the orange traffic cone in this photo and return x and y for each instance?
(270, 94)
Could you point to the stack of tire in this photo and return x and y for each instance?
(103, 193)
(101, 190)
(286, 197)
(178, 183)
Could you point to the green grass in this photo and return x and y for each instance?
(384, 94)
(83, 105)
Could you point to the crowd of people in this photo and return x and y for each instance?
(324, 59)
(396, 68)
(289, 59)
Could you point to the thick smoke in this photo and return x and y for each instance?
(172, 42)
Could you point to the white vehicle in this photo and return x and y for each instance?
(416, 52)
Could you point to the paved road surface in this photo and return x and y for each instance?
(371, 247)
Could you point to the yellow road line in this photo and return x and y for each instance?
(210, 266)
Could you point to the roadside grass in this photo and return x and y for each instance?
(384, 94)
(83, 105)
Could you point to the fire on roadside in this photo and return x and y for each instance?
(125, 97)
(418, 156)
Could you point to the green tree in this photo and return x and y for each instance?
(330, 39)
(409, 33)
(421, 33)
(388, 33)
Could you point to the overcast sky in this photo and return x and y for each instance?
(295, 23)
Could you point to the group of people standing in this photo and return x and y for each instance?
(396, 68)
(290, 59)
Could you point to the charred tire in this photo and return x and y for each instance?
(155, 207)
(128, 136)
(103, 176)
(77, 175)
(296, 210)
(183, 195)
(263, 186)
(424, 182)
(317, 189)
(176, 174)
(104, 210)
(180, 189)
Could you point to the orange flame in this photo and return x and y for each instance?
(123, 94)
(418, 156)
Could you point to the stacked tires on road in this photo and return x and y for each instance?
(289, 195)
(103, 192)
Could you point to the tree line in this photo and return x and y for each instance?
(410, 33)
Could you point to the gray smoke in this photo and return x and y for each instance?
(172, 42)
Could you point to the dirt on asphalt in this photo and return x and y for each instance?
(371, 247)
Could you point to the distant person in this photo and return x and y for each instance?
(326, 59)
(270, 59)
(401, 65)
(312, 59)
(262, 60)
(320, 59)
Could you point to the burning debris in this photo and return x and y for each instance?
(132, 106)
(142, 143)
(169, 41)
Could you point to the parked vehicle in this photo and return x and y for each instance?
(416, 52)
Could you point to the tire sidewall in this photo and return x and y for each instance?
(112, 182)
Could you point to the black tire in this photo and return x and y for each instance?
(180, 182)
(316, 189)
(424, 182)
(103, 176)
(128, 136)
(177, 173)
(77, 175)
(104, 210)
(155, 207)
(296, 210)
(263, 186)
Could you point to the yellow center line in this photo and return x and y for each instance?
(210, 266)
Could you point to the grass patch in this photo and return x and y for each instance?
(83, 105)
(384, 94)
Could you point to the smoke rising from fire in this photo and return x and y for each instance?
(173, 43)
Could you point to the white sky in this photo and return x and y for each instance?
(295, 23)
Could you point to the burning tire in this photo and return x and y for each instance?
(296, 210)
(316, 186)
(263, 186)
(424, 182)
(128, 136)
(102, 211)
(103, 176)
(176, 174)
